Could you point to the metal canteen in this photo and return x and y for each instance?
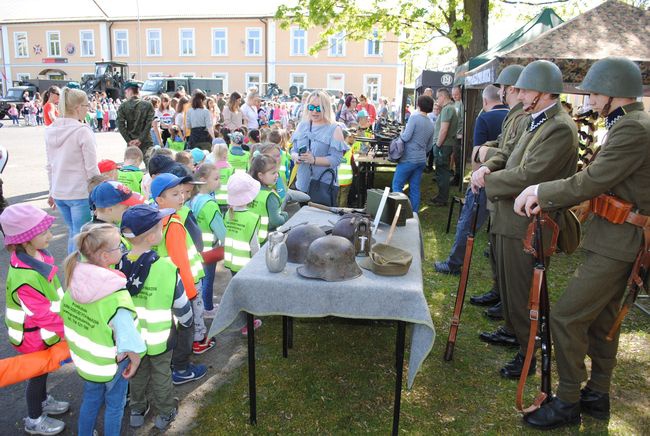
(276, 252)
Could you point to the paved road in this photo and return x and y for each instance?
(25, 180)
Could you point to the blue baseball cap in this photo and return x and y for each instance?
(110, 193)
(166, 181)
(138, 219)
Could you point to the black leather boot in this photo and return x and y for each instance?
(499, 337)
(495, 312)
(513, 368)
(490, 298)
(556, 413)
(594, 403)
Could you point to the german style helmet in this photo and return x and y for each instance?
(541, 76)
(613, 77)
(299, 239)
(330, 258)
(509, 75)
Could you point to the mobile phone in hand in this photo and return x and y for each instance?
(302, 150)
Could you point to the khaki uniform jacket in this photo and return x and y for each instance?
(622, 168)
(514, 125)
(549, 152)
(134, 118)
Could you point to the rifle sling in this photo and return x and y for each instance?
(533, 306)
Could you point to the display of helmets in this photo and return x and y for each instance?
(330, 258)
(387, 260)
(541, 76)
(509, 75)
(299, 239)
(613, 77)
(355, 228)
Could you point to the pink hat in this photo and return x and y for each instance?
(23, 222)
(242, 189)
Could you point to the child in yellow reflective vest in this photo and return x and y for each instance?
(219, 157)
(33, 302)
(266, 204)
(347, 168)
(130, 173)
(238, 158)
(101, 326)
(160, 302)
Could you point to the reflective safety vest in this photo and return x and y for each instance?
(175, 145)
(239, 162)
(196, 267)
(285, 166)
(240, 231)
(15, 313)
(222, 194)
(153, 305)
(131, 178)
(345, 169)
(258, 205)
(208, 209)
(90, 338)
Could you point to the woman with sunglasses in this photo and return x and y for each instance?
(318, 143)
(50, 111)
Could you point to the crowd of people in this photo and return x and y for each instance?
(144, 242)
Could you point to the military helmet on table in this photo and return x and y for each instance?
(330, 258)
(541, 76)
(509, 75)
(299, 239)
(613, 77)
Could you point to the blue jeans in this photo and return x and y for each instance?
(464, 226)
(75, 213)
(208, 285)
(113, 394)
(410, 172)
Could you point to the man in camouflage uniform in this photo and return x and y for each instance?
(548, 150)
(584, 314)
(134, 118)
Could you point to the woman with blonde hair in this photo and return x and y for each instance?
(318, 144)
(71, 161)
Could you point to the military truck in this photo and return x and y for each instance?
(109, 77)
(169, 85)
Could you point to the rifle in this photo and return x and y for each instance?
(462, 284)
(637, 280)
(337, 210)
(539, 307)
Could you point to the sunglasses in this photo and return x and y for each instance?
(311, 107)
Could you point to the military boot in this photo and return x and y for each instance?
(490, 298)
(513, 368)
(556, 413)
(594, 403)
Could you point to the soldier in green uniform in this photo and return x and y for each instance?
(514, 125)
(584, 314)
(134, 118)
(446, 126)
(547, 150)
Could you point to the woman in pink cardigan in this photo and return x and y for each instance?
(71, 161)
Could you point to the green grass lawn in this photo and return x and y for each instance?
(339, 377)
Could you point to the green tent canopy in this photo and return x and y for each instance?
(542, 22)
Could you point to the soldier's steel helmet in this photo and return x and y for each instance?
(330, 258)
(299, 239)
(613, 77)
(541, 76)
(509, 75)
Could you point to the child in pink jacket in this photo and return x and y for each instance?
(33, 303)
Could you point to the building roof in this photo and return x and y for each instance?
(39, 11)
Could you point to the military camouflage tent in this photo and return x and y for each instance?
(610, 29)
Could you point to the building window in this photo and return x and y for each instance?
(298, 42)
(154, 75)
(187, 42)
(21, 45)
(121, 42)
(22, 77)
(372, 86)
(87, 38)
(154, 42)
(53, 43)
(219, 42)
(373, 46)
(224, 80)
(299, 80)
(187, 75)
(253, 80)
(254, 41)
(337, 44)
(336, 81)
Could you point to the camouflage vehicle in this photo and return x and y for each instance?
(109, 78)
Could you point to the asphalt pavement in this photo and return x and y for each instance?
(25, 181)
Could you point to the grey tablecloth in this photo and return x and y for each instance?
(255, 290)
